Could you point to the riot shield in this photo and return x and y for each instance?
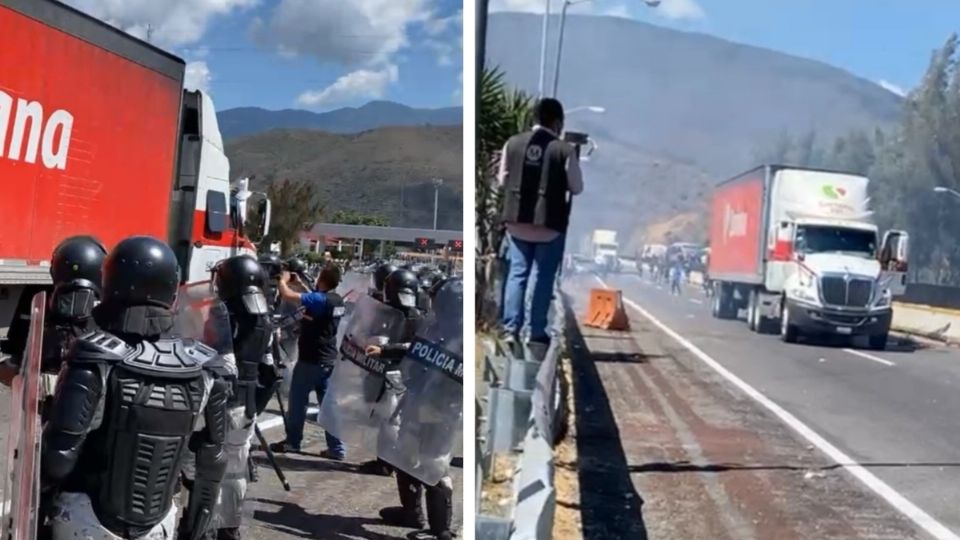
(363, 389)
(22, 482)
(421, 436)
(199, 314)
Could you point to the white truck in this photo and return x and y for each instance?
(605, 250)
(799, 250)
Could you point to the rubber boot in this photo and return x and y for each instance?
(410, 512)
(440, 508)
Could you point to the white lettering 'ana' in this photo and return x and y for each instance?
(42, 136)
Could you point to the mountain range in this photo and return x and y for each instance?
(242, 121)
(682, 110)
(386, 171)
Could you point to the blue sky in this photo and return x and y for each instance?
(880, 40)
(311, 54)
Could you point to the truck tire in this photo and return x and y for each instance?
(723, 307)
(753, 313)
(878, 342)
(788, 332)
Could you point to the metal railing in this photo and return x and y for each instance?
(525, 416)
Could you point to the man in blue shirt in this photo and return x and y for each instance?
(317, 354)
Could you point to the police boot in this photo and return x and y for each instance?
(440, 508)
(410, 513)
(228, 534)
(377, 467)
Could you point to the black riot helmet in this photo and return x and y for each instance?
(271, 265)
(430, 277)
(76, 263)
(448, 299)
(141, 271)
(380, 275)
(296, 266)
(240, 282)
(400, 289)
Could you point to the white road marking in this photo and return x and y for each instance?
(922, 519)
(276, 420)
(869, 357)
(696, 301)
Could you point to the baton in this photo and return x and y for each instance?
(271, 458)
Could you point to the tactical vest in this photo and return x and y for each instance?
(130, 465)
(318, 335)
(536, 188)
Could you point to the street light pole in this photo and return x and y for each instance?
(941, 189)
(483, 10)
(437, 182)
(563, 24)
(543, 48)
(563, 16)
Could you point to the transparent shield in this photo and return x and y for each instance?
(22, 483)
(422, 435)
(363, 390)
(199, 314)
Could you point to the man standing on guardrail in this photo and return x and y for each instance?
(538, 174)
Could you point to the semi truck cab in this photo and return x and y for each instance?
(834, 281)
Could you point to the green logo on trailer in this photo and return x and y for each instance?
(833, 192)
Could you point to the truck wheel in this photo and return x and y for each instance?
(753, 313)
(878, 342)
(788, 332)
(723, 306)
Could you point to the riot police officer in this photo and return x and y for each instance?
(75, 271)
(439, 497)
(379, 278)
(126, 407)
(240, 282)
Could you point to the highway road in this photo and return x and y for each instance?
(894, 412)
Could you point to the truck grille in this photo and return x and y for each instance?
(846, 292)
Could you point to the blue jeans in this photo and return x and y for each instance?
(306, 378)
(542, 259)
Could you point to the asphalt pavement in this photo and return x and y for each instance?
(893, 412)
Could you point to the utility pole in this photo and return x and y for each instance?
(437, 182)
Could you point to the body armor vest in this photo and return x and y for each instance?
(318, 336)
(131, 464)
(536, 188)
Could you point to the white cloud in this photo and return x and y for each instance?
(350, 33)
(436, 26)
(444, 51)
(358, 85)
(681, 9)
(528, 6)
(620, 10)
(458, 93)
(197, 76)
(890, 87)
(171, 23)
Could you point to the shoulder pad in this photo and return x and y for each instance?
(169, 357)
(99, 346)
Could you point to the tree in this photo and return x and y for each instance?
(501, 113)
(295, 209)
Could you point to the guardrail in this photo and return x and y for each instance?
(525, 417)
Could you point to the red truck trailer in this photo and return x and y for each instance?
(97, 136)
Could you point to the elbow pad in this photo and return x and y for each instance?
(72, 416)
